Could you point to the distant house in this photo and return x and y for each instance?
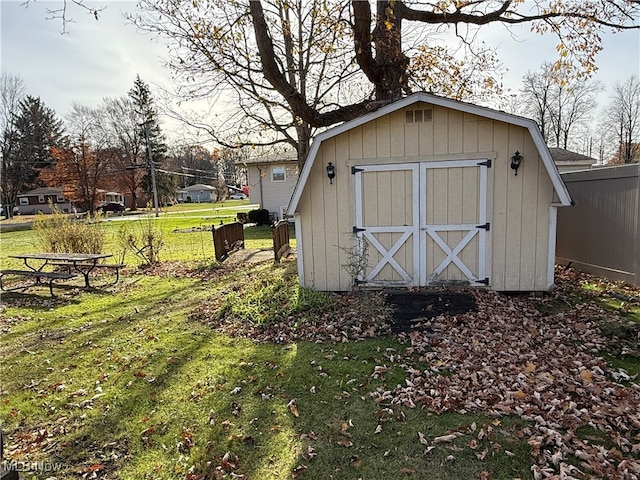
(113, 197)
(198, 193)
(568, 161)
(42, 200)
(272, 180)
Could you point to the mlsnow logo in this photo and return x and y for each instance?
(16, 466)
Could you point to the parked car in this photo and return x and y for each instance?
(112, 207)
(238, 196)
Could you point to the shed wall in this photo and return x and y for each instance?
(518, 206)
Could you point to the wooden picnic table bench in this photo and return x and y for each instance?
(37, 275)
(38, 261)
(84, 266)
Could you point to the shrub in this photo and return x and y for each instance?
(143, 237)
(259, 216)
(56, 232)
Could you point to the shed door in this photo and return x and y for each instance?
(420, 224)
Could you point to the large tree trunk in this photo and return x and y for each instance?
(388, 70)
(391, 61)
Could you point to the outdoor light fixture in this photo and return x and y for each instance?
(516, 160)
(331, 172)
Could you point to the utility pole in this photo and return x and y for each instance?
(152, 168)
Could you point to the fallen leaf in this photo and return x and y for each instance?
(293, 408)
(446, 438)
(229, 461)
(298, 470)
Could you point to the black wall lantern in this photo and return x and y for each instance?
(516, 160)
(331, 172)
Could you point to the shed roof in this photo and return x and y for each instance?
(529, 124)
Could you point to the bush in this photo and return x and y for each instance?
(143, 237)
(259, 216)
(58, 233)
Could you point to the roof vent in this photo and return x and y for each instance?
(419, 116)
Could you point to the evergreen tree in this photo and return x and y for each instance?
(37, 131)
(149, 128)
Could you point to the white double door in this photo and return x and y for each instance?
(423, 223)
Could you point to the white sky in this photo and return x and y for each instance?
(98, 59)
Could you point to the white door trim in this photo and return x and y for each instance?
(406, 230)
(420, 230)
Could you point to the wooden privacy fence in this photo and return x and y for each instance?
(280, 232)
(600, 234)
(227, 238)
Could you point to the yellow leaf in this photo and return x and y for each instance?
(530, 367)
(586, 376)
(388, 24)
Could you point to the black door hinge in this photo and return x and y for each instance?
(486, 226)
(355, 170)
(357, 230)
(486, 163)
(484, 281)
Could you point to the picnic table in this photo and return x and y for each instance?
(82, 263)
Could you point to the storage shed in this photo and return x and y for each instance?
(424, 192)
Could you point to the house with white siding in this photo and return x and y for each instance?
(271, 181)
(198, 193)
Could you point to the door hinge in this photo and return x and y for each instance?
(357, 230)
(486, 226)
(484, 281)
(486, 163)
(355, 170)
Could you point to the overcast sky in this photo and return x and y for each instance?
(98, 59)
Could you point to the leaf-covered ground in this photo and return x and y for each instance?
(554, 373)
(540, 358)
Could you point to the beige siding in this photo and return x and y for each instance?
(517, 206)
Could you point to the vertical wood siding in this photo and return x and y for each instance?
(518, 206)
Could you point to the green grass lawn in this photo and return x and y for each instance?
(129, 385)
(133, 381)
(186, 231)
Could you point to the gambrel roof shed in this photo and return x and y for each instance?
(424, 194)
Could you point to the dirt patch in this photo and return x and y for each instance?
(410, 309)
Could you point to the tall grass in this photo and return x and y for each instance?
(58, 232)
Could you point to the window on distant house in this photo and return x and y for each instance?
(278, 174)
(40, 198)
(24, 201)
(60, 199)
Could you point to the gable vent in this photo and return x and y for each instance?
(419, 116)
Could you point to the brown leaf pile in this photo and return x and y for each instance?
(509, 359)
